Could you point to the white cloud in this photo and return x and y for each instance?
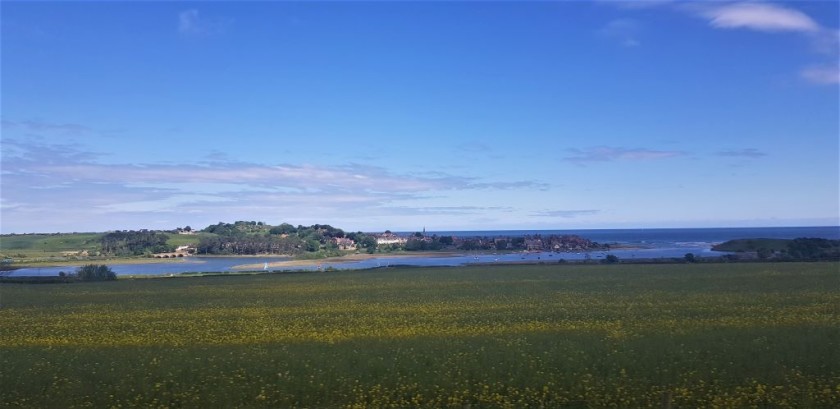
(761, 17)
(767, 17)
(821, 74)
(73, 188)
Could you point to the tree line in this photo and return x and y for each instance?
(134, 243)
(249, 238)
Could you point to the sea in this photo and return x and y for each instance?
(665, 236)
(631, 244)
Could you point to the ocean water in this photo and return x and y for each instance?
(645, 243)
(667, 236)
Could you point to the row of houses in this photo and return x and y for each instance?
(559, 243)
(389, 238)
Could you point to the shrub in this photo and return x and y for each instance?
(610, 259)
(93, 272)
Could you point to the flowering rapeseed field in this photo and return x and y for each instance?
(717, 335)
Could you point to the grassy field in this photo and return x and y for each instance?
(47, 245)
(722, 335)
(48, 248)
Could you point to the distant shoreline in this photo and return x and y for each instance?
(288, 260)
(346, 258)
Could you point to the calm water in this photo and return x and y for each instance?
(655, 243)
(177, 266)
(666, 236)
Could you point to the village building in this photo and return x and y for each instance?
(344, 243)
(533, 244)
(389, 238)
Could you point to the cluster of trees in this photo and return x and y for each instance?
(363, 241)
(244, 237)
(134, 243)
(419, 242)
(235, 228)
(813, 249)
(808, 249)
(93, 272)
(251, 244)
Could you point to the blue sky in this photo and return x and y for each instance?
(399, 115)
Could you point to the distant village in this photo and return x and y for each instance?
(422, 241)
(391, 242)
(253, 238)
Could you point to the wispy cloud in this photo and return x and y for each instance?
(18, 155)
(192, 23)
(439, 210)
(607, 154)
(821, 74)
(775, 18)
(624, 30)
(761, 17)
(189, 22)
(743, 153)
(68, 181)
(69, 162)
(42, 126)
(566, 214)
(767, 17)
(521, 184)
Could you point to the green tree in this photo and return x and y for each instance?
(610, 259)
(690, 258)
(446, 240)
(312, 244)
(93, 272)
(415, 245)
(764, 253)
(366, 242)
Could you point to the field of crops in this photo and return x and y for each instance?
(716, 335)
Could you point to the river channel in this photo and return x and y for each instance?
(230, 264)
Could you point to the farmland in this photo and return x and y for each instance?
(722, 335)
(31, 249)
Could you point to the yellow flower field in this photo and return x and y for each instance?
(714, 335)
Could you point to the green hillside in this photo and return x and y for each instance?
(749, 335)
(796, 249)
(740, 245)
(47, 245)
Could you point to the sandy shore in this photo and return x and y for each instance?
(343, 259)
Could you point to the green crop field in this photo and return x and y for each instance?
(662, 336)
